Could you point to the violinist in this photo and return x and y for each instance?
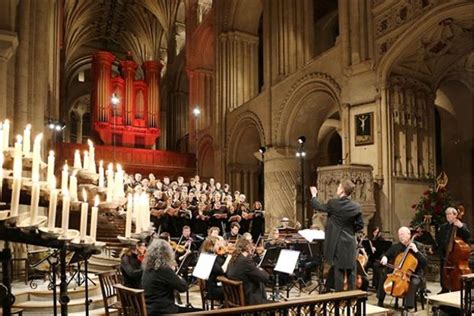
(443, 237)
(275, 239)
(160, 280)
(131, 265)
(213, 245)
(233, 235)
(405, 241)
(213, 232)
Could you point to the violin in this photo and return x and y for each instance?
(177, 247)
(398, 282)
(457, 258)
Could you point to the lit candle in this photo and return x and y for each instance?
(17, 169)
(92, 167)
(73, 186)
(2, 159)
(35, 168)
(77, 159)
(136, 213)
(6, 134)
(145, 212)
(53, 202)
(84, 209)
(94, 213)
(64, 178)
(110, 183)
(50, 172)
(1, 136)
(65, 211)
(85, 163)
(35, 193)
(118, 181)
(128, 220)
(27, 140)
(101, 174)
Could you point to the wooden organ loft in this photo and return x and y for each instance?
(134, 120)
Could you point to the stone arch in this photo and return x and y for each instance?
(243, 15)
(244, 169)
(205, 156)
(79, 107)
(416, 31)
(306, 106)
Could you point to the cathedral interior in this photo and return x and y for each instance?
(380, 90)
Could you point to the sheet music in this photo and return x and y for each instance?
(203, 267)
(312, 234)
(287, 261)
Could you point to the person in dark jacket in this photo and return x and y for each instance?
(443, 237)
(243, 268)
(405, 241)
(160, 280)
(131, 265)
(344, 220)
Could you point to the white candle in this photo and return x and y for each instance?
(128, 220)
(110, 183)
(27, 140)
(73, 187)
(85, 163)
(136, 213)
(64, 178)
(35, 168)
(65, 211)
(1, 136)
(101, 174)
(77, 160)
(94, 213)
(6, 133)
(17, 169)
(92, 167)
(50, 172)
(118, 181)
(35, 193)
(53, 202)
(84, 209)
(145, 213)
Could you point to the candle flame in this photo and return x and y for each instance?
(51, 153)
(84, 195)
(86, 153)
(39, 137)
(28, 126)
(90, 143)
(96, 201)
(77, 152)
(65, 167)
(6, 122)
(19, 138)
(101, 164)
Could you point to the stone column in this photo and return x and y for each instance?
(152, 70)
(237, 68)
(101, 89)
(22, 65)
(8, 44)
(128, 72)
(79, 129)
(291, 35)
(281, 173)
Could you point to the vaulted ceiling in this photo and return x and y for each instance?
(142, 27)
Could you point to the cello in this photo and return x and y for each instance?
(398, 282)
(457, 258)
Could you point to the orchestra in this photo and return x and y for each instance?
(215, 222)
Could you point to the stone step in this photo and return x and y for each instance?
(47, 295)
(46, 307)
(96, 312)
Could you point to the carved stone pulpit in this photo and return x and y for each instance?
(361, 175)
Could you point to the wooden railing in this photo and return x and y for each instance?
(340, 303)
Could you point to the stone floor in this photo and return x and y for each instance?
(194, 298)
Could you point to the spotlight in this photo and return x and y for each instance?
(196, 111)
(298, 154)
(115, 99)
(301, 139)
(51, 125)
(262, 150)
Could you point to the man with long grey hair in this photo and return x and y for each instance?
(160, 280)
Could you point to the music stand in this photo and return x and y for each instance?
(286, 263)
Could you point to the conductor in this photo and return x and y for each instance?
(344, 220)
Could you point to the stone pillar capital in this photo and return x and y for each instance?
(8, 44)
(152, 67)
(102, 57)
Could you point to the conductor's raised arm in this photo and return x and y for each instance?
(315, 204)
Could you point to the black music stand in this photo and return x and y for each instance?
(269, 261)
(316, 248)
(305, 252)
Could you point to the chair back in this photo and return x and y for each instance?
(233, 292)
(107, 281)
(132, 300)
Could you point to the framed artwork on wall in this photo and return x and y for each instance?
(364, 129)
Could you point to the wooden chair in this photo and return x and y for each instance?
(233, 292)
(132, 300)
(107, 281)
(207, 302)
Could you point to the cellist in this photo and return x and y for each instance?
(443, 237)
(405, 241)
